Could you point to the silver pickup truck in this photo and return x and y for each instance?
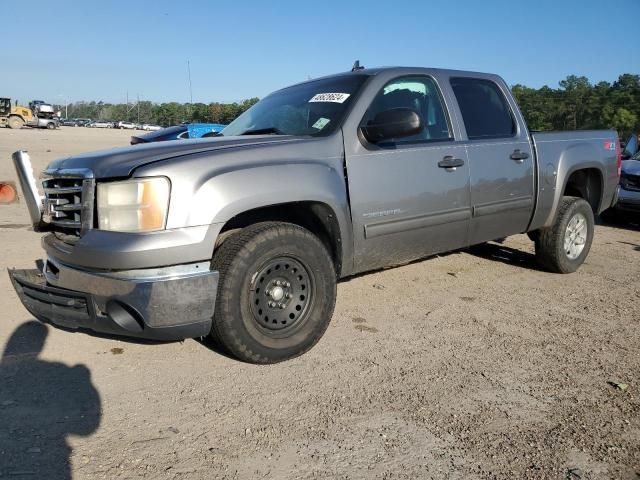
(244, 236)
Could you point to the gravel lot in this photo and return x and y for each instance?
(467, 365)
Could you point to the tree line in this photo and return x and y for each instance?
(579, 105)
(576, 104)
(165, 114)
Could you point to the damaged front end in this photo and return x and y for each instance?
(162, 303)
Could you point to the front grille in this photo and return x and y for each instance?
(631, 182)
(68, 204)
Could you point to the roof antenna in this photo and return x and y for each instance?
(356, 66)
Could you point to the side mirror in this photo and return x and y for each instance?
(394, 123)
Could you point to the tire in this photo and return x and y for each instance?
(550, 244)
(276, 292)
(15, 122)
(51, 126)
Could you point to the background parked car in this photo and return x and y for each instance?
(631, 146)
(151, 127)
(628, 205)
(49, 123)
(100, 124)
(179, 132)
(128, 125)
(69, 122)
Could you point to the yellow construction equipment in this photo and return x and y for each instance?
(16, 116)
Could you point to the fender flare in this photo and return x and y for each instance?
(573, 159)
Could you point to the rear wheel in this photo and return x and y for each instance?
(51, 125)
(15, 122)
(276, 292)
(564, 246)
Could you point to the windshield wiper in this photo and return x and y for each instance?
(264, 131)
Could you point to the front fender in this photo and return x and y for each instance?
(238, 191)
(210, 188)
(234, 192)
(215, 197)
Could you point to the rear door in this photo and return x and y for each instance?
(501, 160)
(405, 203)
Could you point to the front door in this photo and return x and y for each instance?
(410, 197)
(501, 160)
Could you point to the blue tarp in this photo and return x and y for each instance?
(197, 130)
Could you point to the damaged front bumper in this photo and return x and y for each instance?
(628, 200)
(168, 303)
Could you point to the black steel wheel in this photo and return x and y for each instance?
(281, 295)
(276, 292)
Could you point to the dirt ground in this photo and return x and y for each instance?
(470, 365)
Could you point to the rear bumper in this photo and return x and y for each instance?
(168, 303)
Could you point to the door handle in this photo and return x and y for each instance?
(450, 163)
(519, 156)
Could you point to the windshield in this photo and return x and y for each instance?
(631, 148)
(313, 108)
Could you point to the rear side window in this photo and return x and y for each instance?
(485, 111)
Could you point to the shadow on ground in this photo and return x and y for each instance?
(626, 221)
(206, 342)
(41, 403)
(503, 254)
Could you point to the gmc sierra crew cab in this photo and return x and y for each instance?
(244, 236)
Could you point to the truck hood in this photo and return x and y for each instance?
(121, 162)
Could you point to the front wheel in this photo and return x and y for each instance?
(276, 292)
(564, 246)
(15, 122)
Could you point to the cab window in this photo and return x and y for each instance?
(484, 109)
(420, 94)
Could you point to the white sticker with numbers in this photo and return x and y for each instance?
(330, 97)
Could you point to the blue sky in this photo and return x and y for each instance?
(236, 50)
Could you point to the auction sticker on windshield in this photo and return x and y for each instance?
(330, 97)
(321, 123)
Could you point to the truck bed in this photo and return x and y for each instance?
(558, 154)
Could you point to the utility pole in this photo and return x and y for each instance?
(190, 89)
(66, 104)
(138, 103)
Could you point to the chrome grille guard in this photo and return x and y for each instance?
(62, 207)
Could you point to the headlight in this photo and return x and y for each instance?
(138, 205)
